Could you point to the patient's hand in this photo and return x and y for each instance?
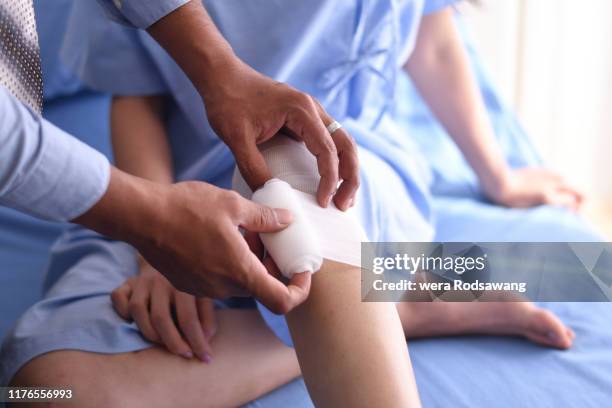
(532, 186)
(181, 322)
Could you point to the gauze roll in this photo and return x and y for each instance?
(337, 234)
(296, 248)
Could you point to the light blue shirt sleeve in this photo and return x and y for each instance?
(44, 171)
(140, 13)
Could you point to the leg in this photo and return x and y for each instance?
(249, 362)
(351, 353)
(430, 319)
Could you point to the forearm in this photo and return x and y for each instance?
(191, 38)
(440, 69)
(351, 353)
(126, 210)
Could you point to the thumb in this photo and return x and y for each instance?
(259, 218)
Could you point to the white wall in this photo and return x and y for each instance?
(552, 59)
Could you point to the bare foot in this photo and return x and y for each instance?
(432, 319)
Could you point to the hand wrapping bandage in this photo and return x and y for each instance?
(316, 233)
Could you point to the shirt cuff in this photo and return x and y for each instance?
(143, 13)
(69, 177)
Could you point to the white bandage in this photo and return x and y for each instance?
(296, 248)
(315, 232)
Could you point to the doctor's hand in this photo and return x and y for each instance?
(189, 232)
(532, 186)
(246, 108)
(182, 323)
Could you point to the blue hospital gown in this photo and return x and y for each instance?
(347, 54)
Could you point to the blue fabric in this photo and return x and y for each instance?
(505, 372)
(345, 54)
(140, 13)
(43, 170)
(51, 21)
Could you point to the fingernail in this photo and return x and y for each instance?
(188, 355)
(206, 358)
(283, 216)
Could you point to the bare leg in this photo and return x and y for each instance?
(249, 362)
(430, 319)
(351, 353)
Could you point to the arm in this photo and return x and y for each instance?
(49, 174)
(440, 70)
(244, 107)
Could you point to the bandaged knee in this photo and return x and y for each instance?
(315, 233)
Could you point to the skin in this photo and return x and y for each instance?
(440, 69)
(250, 361)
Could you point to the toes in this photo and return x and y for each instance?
(546, 329)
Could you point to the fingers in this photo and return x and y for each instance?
(349, 170)
(138, 307)
(121, 298)
(161, 318)
(562, 198)
(208, 321)
(308, 126)
(188, 318)
(273, 293)
(348, 167)
(258, 218)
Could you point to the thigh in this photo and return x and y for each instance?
(248, 362)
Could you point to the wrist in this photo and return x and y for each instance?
(211, 64)
(216, 74)
(495, 181)
(131, 210)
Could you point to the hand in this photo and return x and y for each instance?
(246, 108)
(532, 186)
(199, 248)
(151, 302)
(190, 233)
